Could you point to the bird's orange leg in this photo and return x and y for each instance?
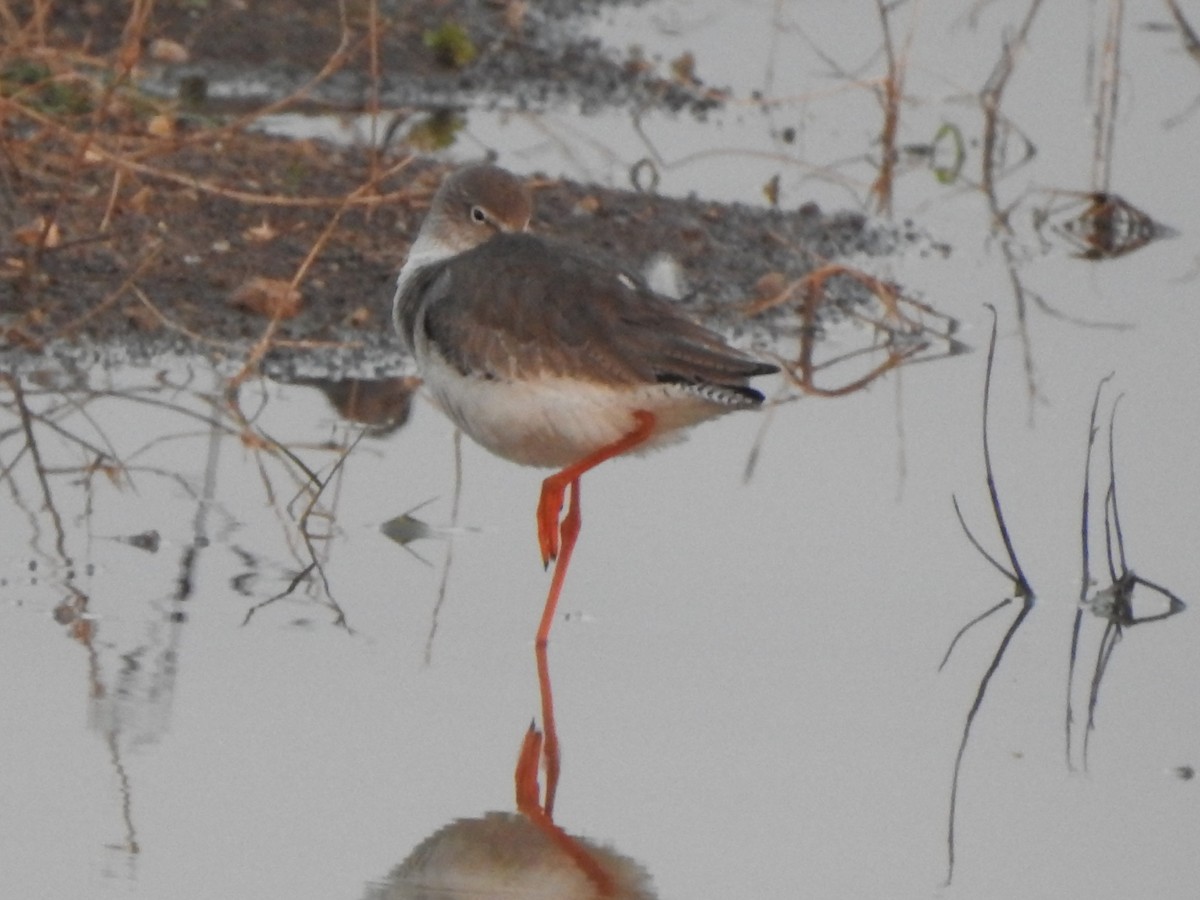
(569, 531)
(557, 542)
(555, 486)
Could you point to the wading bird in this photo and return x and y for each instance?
(548, 354)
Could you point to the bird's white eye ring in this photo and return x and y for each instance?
(478, 214)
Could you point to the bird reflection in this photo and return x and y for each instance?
(506, 855)
(522, 854)
(381, 404)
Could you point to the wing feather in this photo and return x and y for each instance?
(498, 308)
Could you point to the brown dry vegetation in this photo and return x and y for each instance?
(153, 222)
(120, 209)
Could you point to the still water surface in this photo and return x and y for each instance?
(745, 676)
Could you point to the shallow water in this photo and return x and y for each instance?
(745, 674)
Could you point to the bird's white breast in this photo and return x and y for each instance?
(554, 421)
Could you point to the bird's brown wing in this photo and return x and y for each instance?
(501, 310)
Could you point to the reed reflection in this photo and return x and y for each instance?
(1113, 603)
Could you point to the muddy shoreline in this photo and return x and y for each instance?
(122, 242)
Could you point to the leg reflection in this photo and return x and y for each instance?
(537, 751)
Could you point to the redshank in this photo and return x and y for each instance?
(549, 354)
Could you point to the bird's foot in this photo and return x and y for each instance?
(529, 792)
(548, 512)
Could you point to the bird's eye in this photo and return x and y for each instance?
(478, 214)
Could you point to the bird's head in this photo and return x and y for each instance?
(475, 203)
